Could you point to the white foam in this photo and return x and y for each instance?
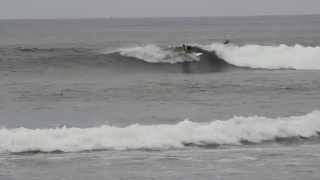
(230, 132)
(270, 57)
(254, 56)
(156, 54)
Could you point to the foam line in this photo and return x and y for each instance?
(229, 132)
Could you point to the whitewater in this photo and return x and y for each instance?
(253, 56)
(234, 131)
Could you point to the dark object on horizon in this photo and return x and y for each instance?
(226, 42)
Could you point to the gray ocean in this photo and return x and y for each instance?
(117, 98)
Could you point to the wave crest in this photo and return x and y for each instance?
(253, 56)
(269, 57)
(234, 131)
(156, 54)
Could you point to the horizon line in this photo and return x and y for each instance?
(158, 17)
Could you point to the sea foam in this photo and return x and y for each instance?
(269, 57)
(156, 54)
(234, 131)
(251, 55)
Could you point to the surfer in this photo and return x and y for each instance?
(226, 42)
(186, 49)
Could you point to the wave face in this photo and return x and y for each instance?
(269, 57)
(234, 131)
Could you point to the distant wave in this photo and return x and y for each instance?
(235, 131)
(252, 56)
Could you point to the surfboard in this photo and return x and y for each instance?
(197, 54)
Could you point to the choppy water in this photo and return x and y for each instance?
(112, 99)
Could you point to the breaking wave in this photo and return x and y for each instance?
(156, 54)
(234, 131)
(253, 56)
(269, 57)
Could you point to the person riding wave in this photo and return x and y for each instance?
(186, 49)
(226, 42)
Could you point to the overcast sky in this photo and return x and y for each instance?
(152, 8)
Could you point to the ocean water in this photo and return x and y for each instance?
(116, 99)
